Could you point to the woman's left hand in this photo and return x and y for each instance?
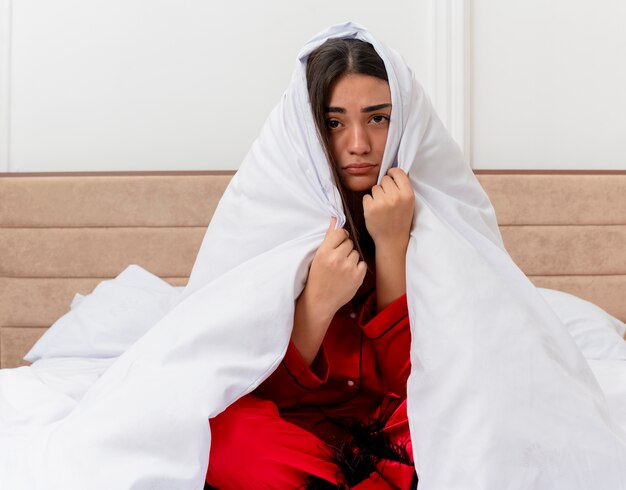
(388, 211)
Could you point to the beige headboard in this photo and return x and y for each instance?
(566, 230)
(63, 233)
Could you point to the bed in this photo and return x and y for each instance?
(63, 234)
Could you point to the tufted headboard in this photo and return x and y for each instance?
(62, 234)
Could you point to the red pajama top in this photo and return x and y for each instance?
(364, 358)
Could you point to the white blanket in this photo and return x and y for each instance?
(500, 396)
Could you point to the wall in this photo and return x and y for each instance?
(137, 85)
(548, 84)
(166, 85)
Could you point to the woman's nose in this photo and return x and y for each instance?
(359, 141)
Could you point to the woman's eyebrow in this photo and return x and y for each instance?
(373, 108)
(370, 108)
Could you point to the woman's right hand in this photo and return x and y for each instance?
(334, 278)
(336, 272)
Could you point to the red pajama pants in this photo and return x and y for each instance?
(253, 447)
(279, 435)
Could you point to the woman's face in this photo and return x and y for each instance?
(357, 121)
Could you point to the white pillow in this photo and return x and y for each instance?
(109, 320)
(596, 333)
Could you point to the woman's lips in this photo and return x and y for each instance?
(358, 168)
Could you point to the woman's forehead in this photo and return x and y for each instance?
(357, 89)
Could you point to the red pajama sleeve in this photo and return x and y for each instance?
(389, 333)
(293, 378)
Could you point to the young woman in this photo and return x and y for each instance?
(333, 415)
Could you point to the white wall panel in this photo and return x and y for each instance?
(548, 84)
(5, 77)
(164, 84)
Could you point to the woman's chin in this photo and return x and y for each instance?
(360, 183)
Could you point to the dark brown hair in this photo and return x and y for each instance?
(326, 64)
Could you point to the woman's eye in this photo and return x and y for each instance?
(378, 119)
(332, 124)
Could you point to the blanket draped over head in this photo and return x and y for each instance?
(499, 396)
